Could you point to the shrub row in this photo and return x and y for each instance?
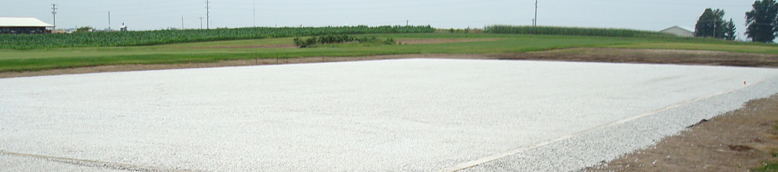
(337, 39)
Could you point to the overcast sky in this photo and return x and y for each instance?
(160, 14)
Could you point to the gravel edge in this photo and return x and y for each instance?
(607, 144)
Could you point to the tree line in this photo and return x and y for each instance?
(761, 23)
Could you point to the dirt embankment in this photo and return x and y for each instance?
(122, 68)
(688, 57)
(245, 47)
(736, 141)
(576, 54)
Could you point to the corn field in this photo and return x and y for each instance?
(541, 30)
(158, 37)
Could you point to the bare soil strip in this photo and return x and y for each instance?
(243, 47)
(141, 67)
(687, 57)
(652, 56)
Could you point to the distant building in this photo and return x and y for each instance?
(679, 31)
(123, 28)
(23, 25)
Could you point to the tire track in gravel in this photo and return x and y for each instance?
(95, 163)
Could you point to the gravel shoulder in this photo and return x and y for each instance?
(735, 141)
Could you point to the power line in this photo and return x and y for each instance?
(280, 5)
(653, 2)
(270, 7)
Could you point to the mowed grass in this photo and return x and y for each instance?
(204, 52)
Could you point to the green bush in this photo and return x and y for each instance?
(337, 39)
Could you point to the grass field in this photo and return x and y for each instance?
(53, 58)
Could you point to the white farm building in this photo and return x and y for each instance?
(23, 25)
(679, 31)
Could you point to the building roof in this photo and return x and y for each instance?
(679, 27)
(22, 22)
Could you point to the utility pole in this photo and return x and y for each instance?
(109, 20)
(54, 13)
(208, 14)
(201, 22)
(535, 21)
(182, 22)
(254, 7)
(715, 22)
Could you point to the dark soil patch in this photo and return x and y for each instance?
(245, 47)
(740, 148)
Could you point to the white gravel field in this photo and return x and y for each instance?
(383, 115)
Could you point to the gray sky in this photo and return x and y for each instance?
(159, 14)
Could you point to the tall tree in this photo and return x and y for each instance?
(760, 21)
(730, 31)
(711, 24)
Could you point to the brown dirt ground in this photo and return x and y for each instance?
(121, 68)
(735, 141)
(687, 57)
(245, 47)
